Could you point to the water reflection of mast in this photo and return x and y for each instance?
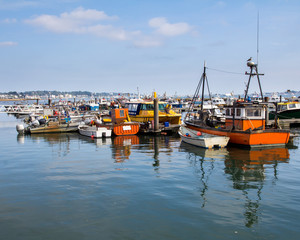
(198, 155)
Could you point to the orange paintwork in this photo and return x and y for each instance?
(261, 137)
(248, 160)
(126, 128)
(126, 140)
(242, 124)
(121, 149)
(119, 115)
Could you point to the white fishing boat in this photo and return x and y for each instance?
(202, 139)
(94, 131)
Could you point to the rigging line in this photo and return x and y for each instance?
(218, 70)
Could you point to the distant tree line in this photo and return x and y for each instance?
(57, 93)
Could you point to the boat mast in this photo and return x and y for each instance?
(203, 85)
(253, 72)
(196, 94)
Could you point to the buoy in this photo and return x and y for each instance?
(92, 136)
(20, 128)
(199, 134)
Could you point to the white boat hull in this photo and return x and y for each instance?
(205, 140)
(93, 131)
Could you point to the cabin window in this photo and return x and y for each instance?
(134, 107)
(162, 106)
(253, 113)
(151, 107)
(147, 107)
(228, 111)
(292, 105)
(238, 112)
(122, 114)
(283, 107)
(131, 107)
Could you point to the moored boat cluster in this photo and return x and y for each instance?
(248, 121)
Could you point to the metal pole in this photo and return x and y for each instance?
(261, 93)
(246, 92)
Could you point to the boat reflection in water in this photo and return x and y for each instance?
(62, 141)
(247, 169)
(121, 148)
(151, 146)
(203, 161)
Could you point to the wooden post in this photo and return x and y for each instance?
(233, 115)
(156, 115)
(276, 115)
(266, 117)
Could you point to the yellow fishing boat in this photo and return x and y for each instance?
(143, 111)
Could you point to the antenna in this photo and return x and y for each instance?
(257, 43)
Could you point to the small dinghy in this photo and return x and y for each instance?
(202, 139)
(94, 131)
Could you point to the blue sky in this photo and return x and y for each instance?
(161, 45)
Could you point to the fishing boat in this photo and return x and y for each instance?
(244, 121)
(119, 122)
(94, 131)
(55, 127)
(45, 125)
(286, 110)
(204, 140)
(122, 124)
(143, 111)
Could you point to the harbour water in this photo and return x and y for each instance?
(65, 186)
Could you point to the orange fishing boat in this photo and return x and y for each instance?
(122, 124)
(245, 122)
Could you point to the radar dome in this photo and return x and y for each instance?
(250, 64)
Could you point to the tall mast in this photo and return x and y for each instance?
(196, 94)
(203, 85)
(253, 72)
(257, 38)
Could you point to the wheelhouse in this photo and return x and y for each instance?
(135, 108)
(245, 116)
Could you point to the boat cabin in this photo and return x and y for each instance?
(245, 116)
(134, 108)
(119, 115)
(288, 106)
(144, 112)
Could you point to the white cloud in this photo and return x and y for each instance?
(108, 32)
(167, 29)
(79, 21)
(9, 20)
(8, 43)
(90, 21)
(89, 14)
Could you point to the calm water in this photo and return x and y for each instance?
(65, 186)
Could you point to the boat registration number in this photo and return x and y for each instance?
(126, 128)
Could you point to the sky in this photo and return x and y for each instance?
(148, 45)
